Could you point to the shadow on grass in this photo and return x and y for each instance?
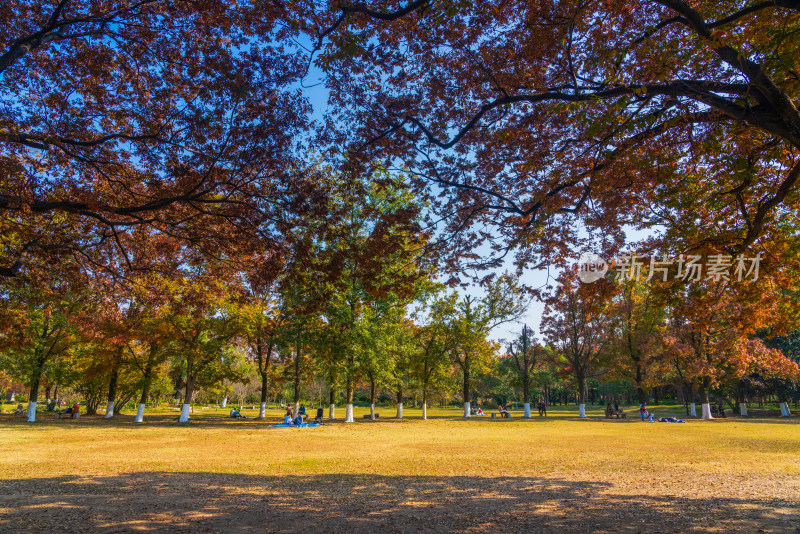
(217, 502)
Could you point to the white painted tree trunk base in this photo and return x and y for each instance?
(527, 410)
(32, 412)
(743, 409)
(262, 410)
(399, 410)
(139, 414)
(785, 410)
(332, 412)
(582, 410)
(185, 413)
(467, 412)
(224, 401)
(296, 409)
(372, 411)
(693, 410)
(425, 411)
(109, 410)
(348, 414)
(707, 411)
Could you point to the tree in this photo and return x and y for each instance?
(360, 270)
(637, 321)
(576, 324)
(40, 321)
(430, 361)
(472, 319)
(527, 117)
(711, 331)
(156, 114)
(200, 313)
(525, 356)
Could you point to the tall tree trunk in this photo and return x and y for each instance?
(296, 399)
(187, 400)
(36, 378)
(348, 411)
(741, 398)
(704, 390)
(581, 395)
(466, 369)
(372, 399)
(332, 405)
(112, 384)
(262, 409)
(264, 362)
(400, 401)
(424, 403)
(526, 385)
(146, 381)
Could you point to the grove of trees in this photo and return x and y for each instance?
(182, 215)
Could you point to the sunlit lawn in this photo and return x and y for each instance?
(592, 474)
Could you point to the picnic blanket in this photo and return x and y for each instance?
(304, 425)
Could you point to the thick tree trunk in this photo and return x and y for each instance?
(36, 378)
(581, 396)
(526, 386)
(112, 385)
(187, 401)
(348, 413)
(466, 392)
(147, 380)
(262, 409)
(400, 403)
(705, 399)
(372, 399)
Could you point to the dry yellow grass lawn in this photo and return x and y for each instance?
(445, 474)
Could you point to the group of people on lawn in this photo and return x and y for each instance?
(300, 418)
(503, 409)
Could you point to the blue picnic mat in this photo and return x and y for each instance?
(304, 425)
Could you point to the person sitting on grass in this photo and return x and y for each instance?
(302, 410)
(20, 410)
(480, 411)
(287, 419)
(299, 419)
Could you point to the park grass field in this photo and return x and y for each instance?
(554, 474)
